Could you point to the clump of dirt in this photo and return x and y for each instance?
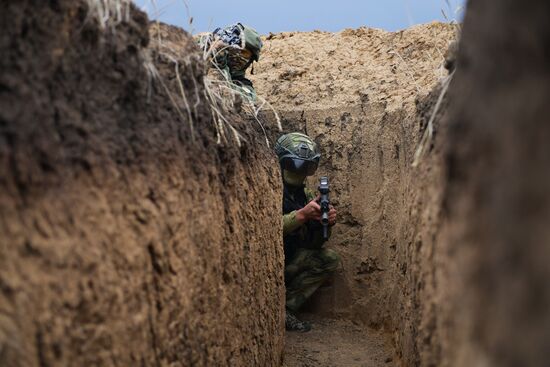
(366, 96)
(128, 236)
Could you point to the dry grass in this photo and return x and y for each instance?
(427, 136)
(451, 15)
(154, 76)
(220, 95)
(109, 13)
(223, 95)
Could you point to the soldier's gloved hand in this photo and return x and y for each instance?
(332, 216)
(312, 211)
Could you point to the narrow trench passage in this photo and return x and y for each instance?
(351, 92)
(365, 288)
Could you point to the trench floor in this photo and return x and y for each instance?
(337, 343)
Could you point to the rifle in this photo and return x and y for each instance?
(324, 202)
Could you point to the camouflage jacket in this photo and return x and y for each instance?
(237, 77)
(296, 235)
(222, 59)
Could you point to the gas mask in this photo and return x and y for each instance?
(293, 179)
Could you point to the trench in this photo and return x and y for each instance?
(146, 223)
(136, 224)
(384, 236)
(368, 123)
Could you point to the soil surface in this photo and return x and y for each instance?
(337, 342)
(128, 236)
(321, 70)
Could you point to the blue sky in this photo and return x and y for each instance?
(301, 15)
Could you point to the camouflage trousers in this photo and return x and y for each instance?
(306, 272)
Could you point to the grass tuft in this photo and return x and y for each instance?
(220, 95)
(428, 132)
(109, 13)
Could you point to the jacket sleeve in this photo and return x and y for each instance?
(310, 195)
(290, 223)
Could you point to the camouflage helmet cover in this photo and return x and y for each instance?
(298, 153)
(252, 41)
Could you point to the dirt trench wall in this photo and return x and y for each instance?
(123, 241)
(498, 194)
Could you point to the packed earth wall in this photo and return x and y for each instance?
(497, 192)
(128, 235)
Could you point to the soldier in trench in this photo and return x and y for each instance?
(232, 50)
(307, 263)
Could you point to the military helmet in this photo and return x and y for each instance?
(252, 41)
(298, 153)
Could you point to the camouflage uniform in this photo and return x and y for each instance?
(229, 60)
(307, 264)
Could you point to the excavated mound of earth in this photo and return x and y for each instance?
(321, 70)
